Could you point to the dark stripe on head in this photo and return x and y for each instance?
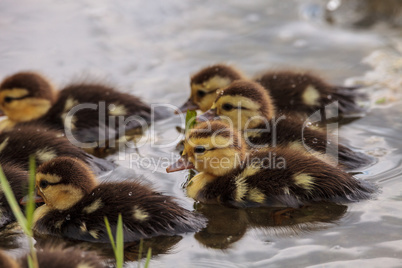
(216, 128)
(71, 171)
(252, 91)
(215, 70)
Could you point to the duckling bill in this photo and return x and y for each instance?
(233, 176)
(75, 206)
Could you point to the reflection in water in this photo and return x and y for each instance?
(132, 250)
(228, 225)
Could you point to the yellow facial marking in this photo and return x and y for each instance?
(311, 96)
(210, 87)
(248, 117)
(219, 157)
(140, 214)
(13, 93)
(97, 204)
(197, 183)
(304, 181)
(256, 195)
(117, 110)
(45, 154)
(52, 178)
(4, 144)
(61, 196)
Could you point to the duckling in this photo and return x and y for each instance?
(75, 206)
(299, 93)
(229, 174)
(18, 180)
(17, 145)
(55, 257)
(91, 112)
(249, 108)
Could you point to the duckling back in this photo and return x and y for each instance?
(18, 144)
(305, 93)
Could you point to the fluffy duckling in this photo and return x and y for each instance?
(28, 96)
(17, 145)
(248, 107)
(56, 258)
(75, 206)
(300, 93)
(232, 176)
(18, 180)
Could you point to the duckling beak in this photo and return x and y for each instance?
(189, 105)
(207, 116)
(37, 199)
(180, 164)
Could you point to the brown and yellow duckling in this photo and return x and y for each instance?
(17, 145)
(17, 177)
(55, 258)
(299, 93)
(230, 175)
(75, 206)
(249, 108)
(82, 108)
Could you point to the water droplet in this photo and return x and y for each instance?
(68, 217)
(315, 140)
(328, 142)
(308, 124)
(329, 97)
(93, 194)
(130, 193)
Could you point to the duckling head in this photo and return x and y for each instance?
(25, 96)
(205, 83)
(243, 105)
(63, 181)
(211, 147)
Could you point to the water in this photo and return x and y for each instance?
(150, 49)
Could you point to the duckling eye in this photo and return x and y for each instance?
(227, 106)
(43, 184)
(199, 149)
(201, 93)
(8, 99)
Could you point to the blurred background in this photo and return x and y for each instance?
(150, 49)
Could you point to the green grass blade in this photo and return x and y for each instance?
(149, 254)
(190, 119)
(119, 243)
(141, 248)
(30, 207)
(13, 203)
(109, 232)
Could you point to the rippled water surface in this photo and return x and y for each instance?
(149, 48)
